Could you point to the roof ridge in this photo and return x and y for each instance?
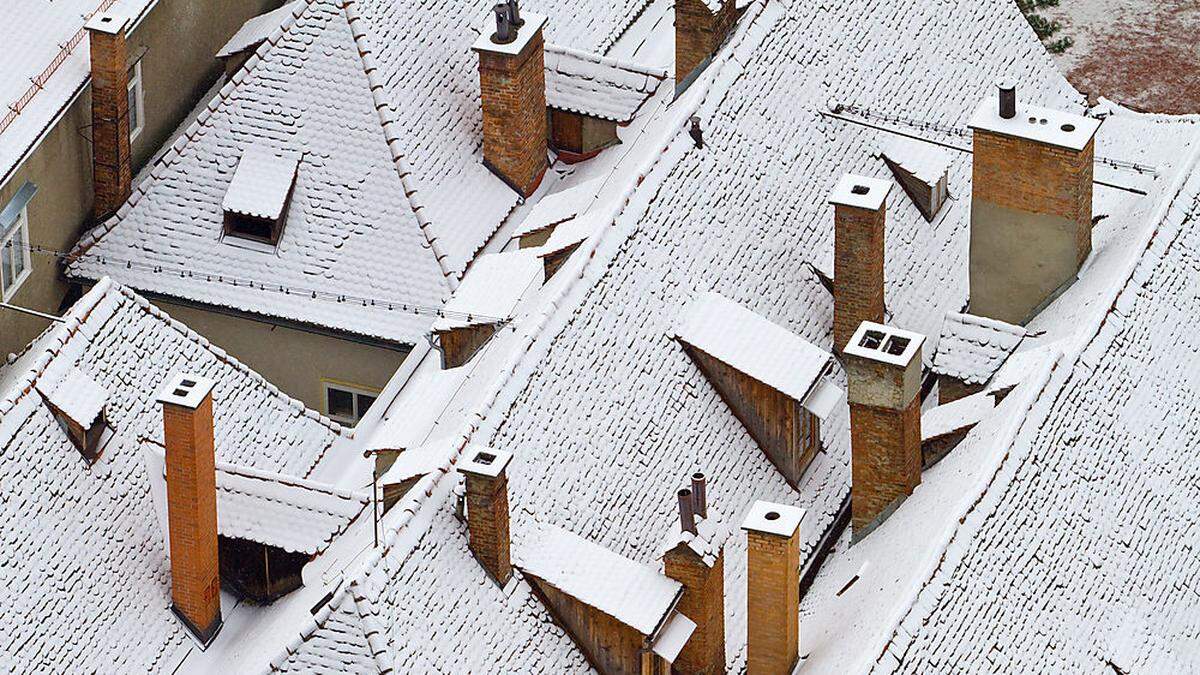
(403, 170)
(626, 64)
(190, 134)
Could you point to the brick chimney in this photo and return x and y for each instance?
(1031, 205)
(701, 27)
(192, 503)
(772, 588)
(883, 367)
(697, 561)
(111, 169)
(859, 216)
(487, 509)
(512, 83)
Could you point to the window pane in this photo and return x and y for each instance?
(340, 403)
(134, 121)
(364, 404)
(6, 264)
(19, 253)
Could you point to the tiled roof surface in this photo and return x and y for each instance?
(86, 577)
(972, 348)
(257, 29)
(261, 183)
(351, 228)
(599, 86)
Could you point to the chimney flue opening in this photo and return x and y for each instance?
(1008, 98)
(505, 32)
(514, 14)
(687, 517)
(699, 496)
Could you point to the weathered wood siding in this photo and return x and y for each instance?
(609, 645)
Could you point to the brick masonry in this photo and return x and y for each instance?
(513, 90)
(703, 602)
(487, 522)
(772, 602)
(886, 458)
(699, 33)
(111, 168)
(1031, 223)
(857, 270)
(192, 515)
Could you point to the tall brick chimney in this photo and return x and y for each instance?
(1031, 205)
(883, 366)
(487, 509)
(697, 561)
(701, 27)
(772, 588)
(512, 84)
(112, 173)
(192, 503)
(859, 217)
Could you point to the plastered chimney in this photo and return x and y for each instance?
(487, 509)
(512, 84)
(192, 503)
(859, 218)
(701, 27)
(1031, 204)
(883, 368)
(698, 562)
(772, 588)
(112, 173)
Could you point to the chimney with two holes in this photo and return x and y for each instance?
(192, 503)
(859, 219)
(112, 172)
(512, 83)
(703, 579)
(883, 369)
(487, 509)
(772, 588)
(1031, 204)
(701, 27)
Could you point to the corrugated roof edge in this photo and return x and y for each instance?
(74, 320)
(427, 491)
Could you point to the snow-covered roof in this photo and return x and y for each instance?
(257, 29)
(83, 542)
(598, 86)
(924, 161)
(708, 539)
(46, 62)
(559, 206)
(75, 394)
(286, 512)
(956, 415)
(572, 232)
(491, 295)
(261, 183)
(972, 348)
(752, 344)
(633, 593)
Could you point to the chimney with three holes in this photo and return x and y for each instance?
(697, 560)
(192, 503)
(883, 369)
(487, 509)
(1031, 205)
(859, 218)
(772, 588)
(112, 173)
(512, 83)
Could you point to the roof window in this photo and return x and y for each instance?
(257, 201)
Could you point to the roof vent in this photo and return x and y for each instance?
(514, 14)
(1008, 97)
(505, 32)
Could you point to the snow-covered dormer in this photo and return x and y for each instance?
(78, 403)
(256, 203)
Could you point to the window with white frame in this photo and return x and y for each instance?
(347, 404)
(137, 101)
(14, 256)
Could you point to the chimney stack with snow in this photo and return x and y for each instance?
(112, 172)
(1031, 205)
(859, 218)
(697, 560)
(487, 509)
(192, 503)
(772, 588)
(883, 368)
(512, 84)
(701, 27)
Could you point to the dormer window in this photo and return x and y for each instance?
(257, 201)
(483, 302)
(78, 404)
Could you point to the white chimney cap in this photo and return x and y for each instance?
(111, 23)
(886, 344)
(480, 460)
(533, 23)
(1043, 125)
(777, 519)
(860, 192)
(186, 390)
